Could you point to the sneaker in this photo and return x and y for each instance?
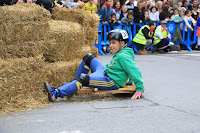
(52, 94)
(141, 52)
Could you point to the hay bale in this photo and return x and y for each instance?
(23, 13)
(25, 49)
(23, 22)
(24, 31)
(17, 79)
(76, 15)
(59, 73)
(94, 51)
(66, 32)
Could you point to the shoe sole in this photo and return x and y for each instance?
(48, 91)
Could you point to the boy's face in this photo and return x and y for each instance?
(113, 17)
(129, 16)
(124, 9)
(115, 45)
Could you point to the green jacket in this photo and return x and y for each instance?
(123, 67)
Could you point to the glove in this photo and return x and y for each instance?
(128, 83)
(136, 95)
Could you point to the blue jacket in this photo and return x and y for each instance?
(105, 14)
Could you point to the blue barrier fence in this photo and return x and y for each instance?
(132, 30)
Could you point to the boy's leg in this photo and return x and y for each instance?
(68, 88)
(90, 62)
(101, 81)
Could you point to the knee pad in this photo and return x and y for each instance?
(87, 59)
(84, 79)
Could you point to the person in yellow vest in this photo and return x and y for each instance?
(162, 37)
(90, 7)
(143, 39)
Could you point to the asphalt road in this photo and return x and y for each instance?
(170, 104)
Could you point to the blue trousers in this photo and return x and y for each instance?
(163, 44)
(98, 79)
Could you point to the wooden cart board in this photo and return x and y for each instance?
(126, 89)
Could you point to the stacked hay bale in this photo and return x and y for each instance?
(34, 49)
(23, 22)
(88, 22)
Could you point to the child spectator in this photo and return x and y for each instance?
(105, 12)
(123, 11)
(178, 18)
(116, 9)
(146, 17)
(154, 14)
(198, 32)
(175, 13)
(114, 76)
(128, 19)
(90, 7)
(113, 22)
(187, 18)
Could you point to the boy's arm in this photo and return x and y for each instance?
(134, 72)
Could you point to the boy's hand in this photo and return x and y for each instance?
(131, 22)
(136, 95)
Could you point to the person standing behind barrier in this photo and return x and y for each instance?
(128, 19)
(187, 18)
(186, 5)
(143, 39)
(154, 14)
(113, 22)
(178, 18)
(170, 4)
(146, 17)
(160, 6)
(123, 12)
(105, 12)
(165, 15)
(198, 32)
(162, 37)
(138, 13)
(174, 13)
(90, 7)
(195, 7)
(179, 5)
(131, 4)
(116, 10)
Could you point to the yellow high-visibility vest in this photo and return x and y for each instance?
(164, 33)
(139, 37)
(90, 9)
